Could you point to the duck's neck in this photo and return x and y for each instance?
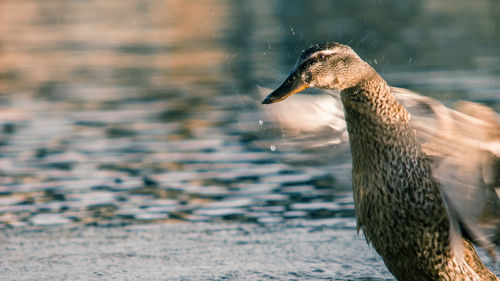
(397, 200)
(372, 97)
(377, 121)
(384, 148)
(391, 179)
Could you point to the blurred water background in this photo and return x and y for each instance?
(135, 111)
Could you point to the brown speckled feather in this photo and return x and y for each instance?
(405, 210)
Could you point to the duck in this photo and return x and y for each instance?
(417, 166)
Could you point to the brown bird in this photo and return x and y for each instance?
(425, 184)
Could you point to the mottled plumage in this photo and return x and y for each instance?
(398, 202)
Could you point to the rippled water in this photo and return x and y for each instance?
(148, 110)
(134, 111)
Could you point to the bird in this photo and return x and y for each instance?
(425, 178)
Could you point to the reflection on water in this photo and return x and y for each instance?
(132, 111)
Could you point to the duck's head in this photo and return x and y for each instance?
(328, 65)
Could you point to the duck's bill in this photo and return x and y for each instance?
(292, 85)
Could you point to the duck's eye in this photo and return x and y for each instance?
(321, 56)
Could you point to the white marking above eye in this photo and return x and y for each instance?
(322, 52)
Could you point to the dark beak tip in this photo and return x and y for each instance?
(290, 86)
(266, 101)
(271, 98)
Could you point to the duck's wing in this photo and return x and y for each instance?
(312, 124)
(464, 145)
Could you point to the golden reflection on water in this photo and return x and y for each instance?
(109, 42)
(157, 95)
(174, 44)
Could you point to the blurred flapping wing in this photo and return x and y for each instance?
(464, 145)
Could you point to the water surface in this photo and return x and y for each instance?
(117, 113)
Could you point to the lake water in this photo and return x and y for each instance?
(123, 112)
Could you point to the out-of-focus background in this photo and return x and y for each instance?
(135, 111)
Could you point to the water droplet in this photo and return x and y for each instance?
(272, 147)
(261, 122)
